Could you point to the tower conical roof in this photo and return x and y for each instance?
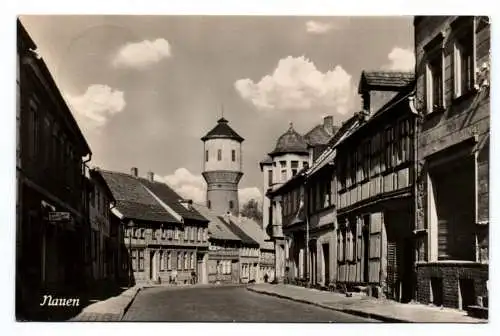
(290, 142)
(222, 130)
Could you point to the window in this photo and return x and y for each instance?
(233, 155)
(134, 260)
(463, 66)
(270, 177)
(200, 234)
(219, 155)
(231, 205)
(162, 260)
(168, 260)
(141, 260)
(434, 80)
(187, 259)
(283, 175)
(206, 155)
(305, 164)
(283, 164)
(366, 160)
(295, 166)
(34, 127)
(179, 260)
(193, 260)
(176, 233)
(209, 204)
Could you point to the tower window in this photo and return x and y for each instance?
(209, 205)
(233, 155)
(231, 205)
(219, 155)
(295, 166)
(206, 155)
(270, 177)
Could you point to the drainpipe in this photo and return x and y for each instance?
(306, 211)
(415, 178)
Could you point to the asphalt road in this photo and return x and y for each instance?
(225, 304)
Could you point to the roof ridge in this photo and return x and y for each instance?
(164, 205)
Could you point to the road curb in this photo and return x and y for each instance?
(127, 306)
(342, 310)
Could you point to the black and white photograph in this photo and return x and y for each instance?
(252, 168)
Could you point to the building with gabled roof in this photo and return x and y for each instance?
(165, 235)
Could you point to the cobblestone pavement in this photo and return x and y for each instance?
(225, 304)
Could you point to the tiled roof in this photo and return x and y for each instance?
(171, 198)
(217, 228)
(396, 79)
(245, 239)
(319, 135)
(135, 201)
(255, 231)
(222, 130)
(146, 212)
(290, 142)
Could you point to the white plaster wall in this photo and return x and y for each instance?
(226, 163)
(288, 158)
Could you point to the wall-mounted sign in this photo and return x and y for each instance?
(59, 216)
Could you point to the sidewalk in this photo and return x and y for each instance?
(362, 305)
(108, 310)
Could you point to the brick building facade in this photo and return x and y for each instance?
(452, 54)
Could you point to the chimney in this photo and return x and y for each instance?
(134, 171)
(151, 176)
(328, 124)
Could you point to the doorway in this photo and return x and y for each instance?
(326, 258)
(153, 266)
(366, 248)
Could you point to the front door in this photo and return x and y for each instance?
(326, 258)
(153, 266)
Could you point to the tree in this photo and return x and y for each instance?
(252, 210)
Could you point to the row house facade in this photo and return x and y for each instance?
(223, 251)
(452, 96)
(102, 252)
(347, 218)
(51, 152)
(292, 154)
(166, 239)
(375, 174)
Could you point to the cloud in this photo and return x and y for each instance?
(316, 27)
(142, 54)
(296, 84)
(246, 194)
(99, 102)
(401, 59)
(191, 186)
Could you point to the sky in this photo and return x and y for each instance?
(145, 89)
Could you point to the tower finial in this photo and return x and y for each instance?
(222, 110)
(291, 125)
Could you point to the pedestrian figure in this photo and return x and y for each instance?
(266, 278)
(193, 277)
(174, 276)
